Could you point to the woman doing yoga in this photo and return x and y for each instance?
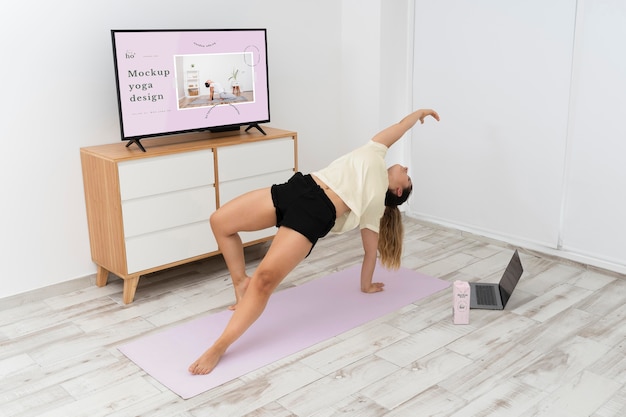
(354, 190)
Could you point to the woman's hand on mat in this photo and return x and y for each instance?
(373, 287)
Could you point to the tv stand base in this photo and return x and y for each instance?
(256, 125)
(130, 142)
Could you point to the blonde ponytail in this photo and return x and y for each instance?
(390, 237)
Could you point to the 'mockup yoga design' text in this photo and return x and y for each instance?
(145, 86)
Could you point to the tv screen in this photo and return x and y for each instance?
(179, 81)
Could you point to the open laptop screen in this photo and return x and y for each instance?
(510, 278)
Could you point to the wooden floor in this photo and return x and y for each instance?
(559, 348)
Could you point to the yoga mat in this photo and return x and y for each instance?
(294, 319)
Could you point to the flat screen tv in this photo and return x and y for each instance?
(179, 81)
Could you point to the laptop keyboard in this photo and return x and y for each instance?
(486, 295)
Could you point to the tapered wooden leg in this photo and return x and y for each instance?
(102, 276)
(130, 285)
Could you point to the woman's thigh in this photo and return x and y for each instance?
(287, 250)
(249, 212)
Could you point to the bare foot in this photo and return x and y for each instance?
(206, 362)
(240, 290)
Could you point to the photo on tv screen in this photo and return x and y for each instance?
(178, 81)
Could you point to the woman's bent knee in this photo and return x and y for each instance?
(215, 220)
(220, 223)
(265, 281)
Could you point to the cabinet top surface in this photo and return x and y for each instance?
(184, 143)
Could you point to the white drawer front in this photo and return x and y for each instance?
(250, 159)
(171, 245)
(235, 188)
(164, 211)
(259, 234)
(161, 174)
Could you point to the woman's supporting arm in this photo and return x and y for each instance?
(370, 246)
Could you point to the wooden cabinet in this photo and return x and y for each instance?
(149, 211)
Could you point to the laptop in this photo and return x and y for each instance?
(495, 296)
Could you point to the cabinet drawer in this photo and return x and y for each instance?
(172, 245)
(161, 174)
(235, 188)
(250, 159)
(164, 211)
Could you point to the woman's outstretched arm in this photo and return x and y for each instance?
(393, 133)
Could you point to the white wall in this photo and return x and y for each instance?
(594, 204)
(360, 74)
(59, 95)
(525, 152)
(396, 98)
(376, 61)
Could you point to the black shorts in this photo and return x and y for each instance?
(303, 206)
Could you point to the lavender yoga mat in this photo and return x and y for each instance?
(294, 319)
